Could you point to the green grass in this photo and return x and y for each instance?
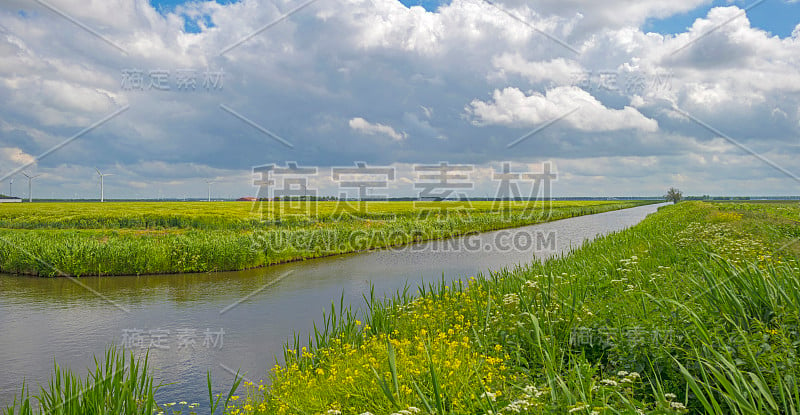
(119, 384)
(51, 239)
(696, 309)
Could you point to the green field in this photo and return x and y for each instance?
(51, 239)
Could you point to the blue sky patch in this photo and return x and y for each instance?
(429, 5)
(778, 17)
(191, 24)
(165, 6)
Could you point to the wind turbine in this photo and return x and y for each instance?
(209, 182)
(10, 182)
(30, 178)
(102, 195)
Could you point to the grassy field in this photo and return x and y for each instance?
(694, 310)
(52, 239)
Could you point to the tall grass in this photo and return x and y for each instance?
(119, 384)
(693, 310)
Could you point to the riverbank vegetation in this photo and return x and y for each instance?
(119, 384)
(695, 310)
(52, 239)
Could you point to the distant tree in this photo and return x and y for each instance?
(673, 195)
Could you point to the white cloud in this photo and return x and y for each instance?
(15, 156)
(511, 107)
(361, 125)
(589, 17)
(410, 72)
(560, 70)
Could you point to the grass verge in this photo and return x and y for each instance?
(696, 309)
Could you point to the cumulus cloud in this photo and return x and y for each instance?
(15, 156)
(363, 126)
(512, 107)
(456, 84)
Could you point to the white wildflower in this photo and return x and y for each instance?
(580, 407)
(511, 299)
(609, 382)
(677, 405)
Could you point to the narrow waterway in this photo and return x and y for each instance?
(226, 321)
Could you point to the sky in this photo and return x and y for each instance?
(621, 98)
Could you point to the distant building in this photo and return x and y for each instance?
(246, 199)
(9, 199)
